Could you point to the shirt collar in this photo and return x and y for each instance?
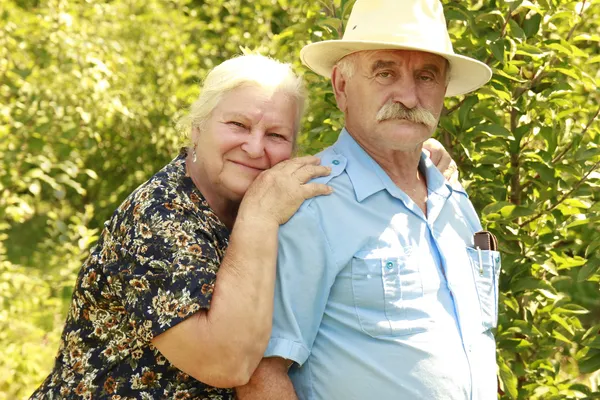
(369, 178)
(360, 167)
(436, 183)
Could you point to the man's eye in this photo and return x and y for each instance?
(426, 78)
(384, 74)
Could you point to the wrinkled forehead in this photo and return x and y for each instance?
(372, 58)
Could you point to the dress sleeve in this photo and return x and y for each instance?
(305, 273)
(166, 269)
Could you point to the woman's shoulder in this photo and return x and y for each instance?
(168, 189)
(168, 200)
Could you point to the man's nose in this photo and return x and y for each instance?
(254, 145)
(405, 92)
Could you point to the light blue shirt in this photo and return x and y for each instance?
(375, 300)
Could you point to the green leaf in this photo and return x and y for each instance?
(569, 72)
(581, 388)
(512, 211)
(497, 48)
(508, 76)
(590, 364)
(591, 268)
(561, 321)
(530, 283)
(494, 129)
(561, 337)
(465, 109)
(594, 343)
(531, 26)
(592, 247)
(560, 49)
(508, 379)
(516, 30)
(333, 23)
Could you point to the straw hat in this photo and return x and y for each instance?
(398, 24)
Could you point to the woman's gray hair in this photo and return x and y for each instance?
(245, 70)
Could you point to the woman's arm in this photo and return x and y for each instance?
(223, 345)
(269, 382)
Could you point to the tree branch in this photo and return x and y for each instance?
(566, 149)
(515, 180)
(564, 197)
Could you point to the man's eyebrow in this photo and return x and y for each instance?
(431, 67)
(381, 64)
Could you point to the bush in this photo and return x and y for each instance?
(90, 92)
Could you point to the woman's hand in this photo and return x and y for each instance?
(442, 160)
(278, 192)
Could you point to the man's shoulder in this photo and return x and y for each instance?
(337, 179)
(334, 160)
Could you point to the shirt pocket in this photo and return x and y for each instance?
(383, 288)
(486, 265)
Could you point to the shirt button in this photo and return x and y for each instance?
(389, 265)
(335, 162)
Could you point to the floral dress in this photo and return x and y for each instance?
(155, 264)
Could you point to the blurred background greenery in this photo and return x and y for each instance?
(90, 90)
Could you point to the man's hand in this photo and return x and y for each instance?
(270, 381)
(442, 160)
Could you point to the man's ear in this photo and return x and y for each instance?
(338, 83)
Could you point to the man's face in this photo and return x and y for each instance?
(383, 84)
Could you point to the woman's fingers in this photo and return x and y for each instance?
(294, 163)
(316, 189)
(451, 173)
(278, 192)
(307, 172)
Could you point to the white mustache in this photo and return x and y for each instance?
(399, 111)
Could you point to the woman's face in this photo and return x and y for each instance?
(248, 132)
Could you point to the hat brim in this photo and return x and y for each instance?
(467, 74)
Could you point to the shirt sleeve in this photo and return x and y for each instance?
(305, 274)
(166, 269)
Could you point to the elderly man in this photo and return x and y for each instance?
(384, 290)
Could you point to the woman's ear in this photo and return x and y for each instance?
(195, 135)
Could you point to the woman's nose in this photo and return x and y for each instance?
(254, 145)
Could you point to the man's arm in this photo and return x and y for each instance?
(269, 382)
(305, 273)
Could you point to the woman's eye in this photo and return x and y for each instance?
(276, 135)
(239, 124)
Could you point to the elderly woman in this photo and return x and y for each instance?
(175, 300)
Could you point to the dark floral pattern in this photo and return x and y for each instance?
(154, 265)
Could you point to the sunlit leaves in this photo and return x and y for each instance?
(89, 92)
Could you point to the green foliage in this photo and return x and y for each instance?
(89, 92)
